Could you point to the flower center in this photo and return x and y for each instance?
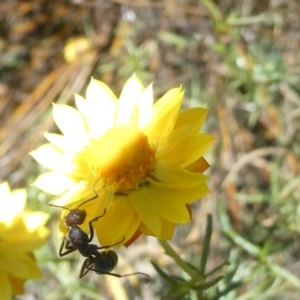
(123, 158)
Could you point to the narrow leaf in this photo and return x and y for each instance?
(171, 280)
(206, 243)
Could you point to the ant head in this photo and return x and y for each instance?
(75, 217)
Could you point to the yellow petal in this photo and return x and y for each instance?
(35, 220)
(5, 286)
(165, 112)
(133, 226)
(127, 113)
(169, 175)
(195, 116)
(144, 105)
(54, 159)
(74, 196)
(70, 122)
(101, 107)
(99, 91)
(81, 105)
(32, 242)
(169, 142)
(144, 229)
(170, 209)
(200, 165)
(20, 236)
(142, 201)
(193, 194)
(54, 183)
(119, 212)
(71, 146)
(76, 47)
(12, 205)
(189, 149)
(102, 202)
(19, 264)
(183, 196)
(167, 230)
(4, 190)
(17, 285)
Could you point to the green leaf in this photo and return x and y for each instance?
(206, 243)
(213, 9)
(225, 263)
(171, 280)
(223, 216)
(284, 273)
(243, 243)
(260, 288)
(181, 263)
(207, 285)
(173, 39)
(229, 288)
(176, 293)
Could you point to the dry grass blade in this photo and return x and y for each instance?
(58, 86)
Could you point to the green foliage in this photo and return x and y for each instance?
(201, 284)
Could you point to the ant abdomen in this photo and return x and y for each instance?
(106, 262)
(103, 263)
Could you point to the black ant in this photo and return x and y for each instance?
(77, 239)
(104, 263)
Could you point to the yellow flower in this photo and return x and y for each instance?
(20, 233)
(143, 160)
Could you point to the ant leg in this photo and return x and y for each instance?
(91, 226)
(109, 246)
(67, 245)
(87, 262)
(114, 274)
(93, 198)
(84, 265)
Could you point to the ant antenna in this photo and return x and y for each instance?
(64, 207)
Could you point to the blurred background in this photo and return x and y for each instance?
(238, 58)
